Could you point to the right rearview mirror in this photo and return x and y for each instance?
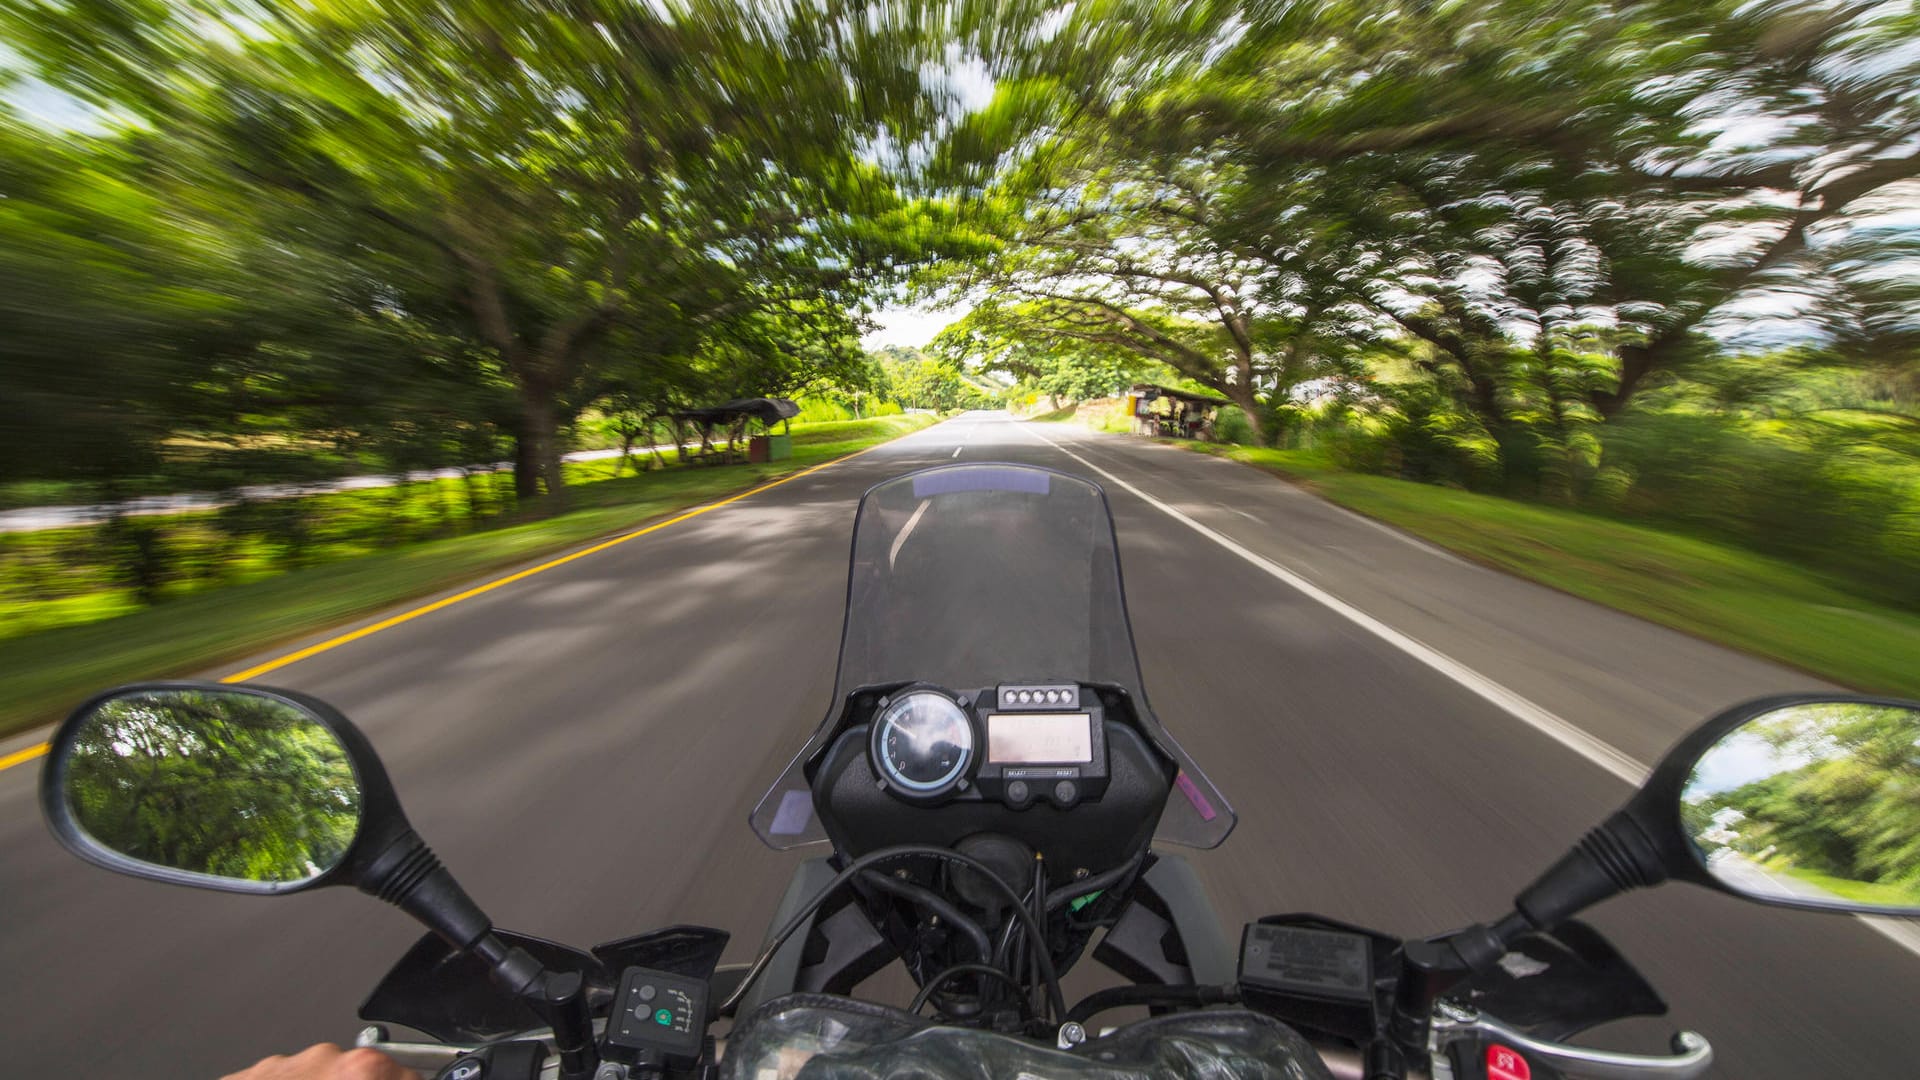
(1815, 804)
(1805, 800)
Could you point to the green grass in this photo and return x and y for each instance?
(42, 673)
(1107, 415)
(1865, 892)
(1752, 602)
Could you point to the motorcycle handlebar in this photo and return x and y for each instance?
(1691, 1058)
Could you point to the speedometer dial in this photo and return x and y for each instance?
(922, 743)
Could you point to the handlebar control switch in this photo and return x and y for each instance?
(1319, 977)
(659, 1020)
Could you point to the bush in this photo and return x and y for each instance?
(1826, 494)
(819, 410)
(1230, 426)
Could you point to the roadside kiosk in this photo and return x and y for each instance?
(734, 416)
(1169, 413)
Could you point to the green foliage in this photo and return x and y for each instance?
(227, 784)
(1495, 246)
(918, 381)
(1230, 427)
(1841, 804)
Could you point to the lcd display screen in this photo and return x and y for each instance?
(1039, 738)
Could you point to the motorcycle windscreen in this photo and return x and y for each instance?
(969, 576)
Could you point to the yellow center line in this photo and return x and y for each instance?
(21, 757)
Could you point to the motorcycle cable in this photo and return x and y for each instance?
(1107, 879)
(934, 984)
(1055, 1000)
(933, 902)
(1120, 996)
(1038, 897)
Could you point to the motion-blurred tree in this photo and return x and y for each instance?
(560, 183)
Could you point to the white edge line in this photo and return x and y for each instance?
(1903, 933)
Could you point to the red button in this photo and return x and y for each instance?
(1505, 1064)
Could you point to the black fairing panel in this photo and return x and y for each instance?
(448, 995)
(1561, 984)
(1097, 834)
(693, 951)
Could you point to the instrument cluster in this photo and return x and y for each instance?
(1015, 745)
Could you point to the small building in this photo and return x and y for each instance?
(1175, 414)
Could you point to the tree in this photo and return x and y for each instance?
(562, 183)
(991, 339)
(918, 381)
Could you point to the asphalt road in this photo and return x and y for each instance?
(583, 747)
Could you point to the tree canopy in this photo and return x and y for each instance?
(1533, 246)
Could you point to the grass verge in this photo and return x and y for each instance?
(1865, 892)
(1715, 591)
(42, 673)
(1102, 414)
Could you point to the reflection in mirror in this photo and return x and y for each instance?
(227, 783)
(1813, 803)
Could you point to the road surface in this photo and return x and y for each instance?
(583, 747)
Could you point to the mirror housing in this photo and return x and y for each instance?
(1646, 842)
(386, 858)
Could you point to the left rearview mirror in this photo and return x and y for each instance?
(217, 786)
(243, 789)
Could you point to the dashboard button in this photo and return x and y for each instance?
(1017, 792)
(1064, 793)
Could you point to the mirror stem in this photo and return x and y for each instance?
(1618, 856)
(409, 876)
(559, 998)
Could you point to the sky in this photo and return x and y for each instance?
(913, 326)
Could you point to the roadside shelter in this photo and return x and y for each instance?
(1176, 414)
(734, 418)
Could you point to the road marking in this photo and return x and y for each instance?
(957, 449)
(1902, 932)
(427, 609)
(278, 662)
(1561, 731)
(21, 757)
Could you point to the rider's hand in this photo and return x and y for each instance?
(327, 1062)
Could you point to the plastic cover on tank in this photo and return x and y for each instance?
(811, 1037)
(974, 575)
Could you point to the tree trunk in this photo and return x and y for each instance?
(526, 465)
(537, 450)
(1242, 394)
(626, 447)
(653, 440)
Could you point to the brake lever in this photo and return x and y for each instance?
(1691, 1056)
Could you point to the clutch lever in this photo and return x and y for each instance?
(1691, 1056)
